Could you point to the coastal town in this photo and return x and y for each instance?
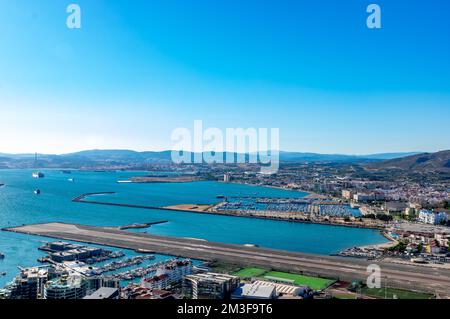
(412, 216)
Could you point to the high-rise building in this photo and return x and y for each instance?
(209, 286)
(68, 286)
(28, 284)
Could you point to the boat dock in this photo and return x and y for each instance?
(397, 275)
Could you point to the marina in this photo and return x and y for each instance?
(128, 262)
(289, 205)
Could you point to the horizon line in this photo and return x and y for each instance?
(247, 152)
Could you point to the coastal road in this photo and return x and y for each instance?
(423, 277)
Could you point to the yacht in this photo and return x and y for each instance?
(2, 255)
(71, 180)
(37, 191)
(38, 175)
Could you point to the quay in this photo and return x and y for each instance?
(412, 277)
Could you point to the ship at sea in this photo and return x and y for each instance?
(38, 175)
(37, 191)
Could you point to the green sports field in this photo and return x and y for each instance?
(250, 272)
(314, 283)
(398, 293)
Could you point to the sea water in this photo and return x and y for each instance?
(19, 205)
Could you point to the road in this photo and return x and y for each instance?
(396, 275)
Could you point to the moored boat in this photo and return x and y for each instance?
(38, 175)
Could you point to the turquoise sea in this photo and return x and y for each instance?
(19, 205)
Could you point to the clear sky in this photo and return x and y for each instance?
(139, 69)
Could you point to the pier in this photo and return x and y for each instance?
(411, 277)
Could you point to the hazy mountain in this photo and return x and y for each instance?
(424, 162)
(314, 157)
(114, 158)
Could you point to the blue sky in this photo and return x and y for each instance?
(139, 69)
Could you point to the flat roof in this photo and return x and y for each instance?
(255, 291)
(102, 293)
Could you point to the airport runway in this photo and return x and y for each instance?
(396, 275)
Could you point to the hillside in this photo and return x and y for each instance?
(133, 159)
(425, 162)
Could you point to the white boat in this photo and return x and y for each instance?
(2, 255)
(37, 191)
(38, 175)
(71, 180)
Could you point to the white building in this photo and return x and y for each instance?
(362, 198)
(227, 177)
(254, 291)
(432, 218)
(169, 274)
(69, 286)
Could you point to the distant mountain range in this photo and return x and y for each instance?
(424, 162)
(129, 158)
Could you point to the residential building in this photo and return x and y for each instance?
(68, 286)
(433, 218)
(210, 286)
(169, 274)
(28, 284)
(347, 194)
